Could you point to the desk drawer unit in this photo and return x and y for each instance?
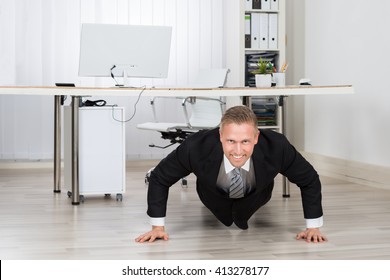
(102, 163)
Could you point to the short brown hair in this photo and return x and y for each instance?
(239, 115)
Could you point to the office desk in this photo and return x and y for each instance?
(78, 92)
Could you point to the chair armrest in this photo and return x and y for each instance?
(153, 102)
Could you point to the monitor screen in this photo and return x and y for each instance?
(124, 50)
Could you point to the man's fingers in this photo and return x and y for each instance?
(321, 238)
(152, 236)
(301, 235)
(312, 235)
(142, 238)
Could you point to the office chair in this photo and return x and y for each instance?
(199, 113)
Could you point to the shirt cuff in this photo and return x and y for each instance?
(157, 221)
(314, 223)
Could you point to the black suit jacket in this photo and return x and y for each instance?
(202, 155)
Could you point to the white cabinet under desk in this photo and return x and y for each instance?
(102, 163)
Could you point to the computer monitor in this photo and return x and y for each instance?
(124, 50)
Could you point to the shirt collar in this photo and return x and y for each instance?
(229, 167)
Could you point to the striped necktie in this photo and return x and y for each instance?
(236, 189)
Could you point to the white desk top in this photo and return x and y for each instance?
(204, 92)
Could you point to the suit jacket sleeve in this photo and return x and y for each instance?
(302, 173)
(171, 169)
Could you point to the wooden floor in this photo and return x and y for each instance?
(38, 224)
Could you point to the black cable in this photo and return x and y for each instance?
(112, 75)
(135, 107)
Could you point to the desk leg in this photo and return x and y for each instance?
(75, 150)
(286, 183)
(57, 144)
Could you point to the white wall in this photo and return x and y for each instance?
(39, 45)
(295, 55)
(347, 42)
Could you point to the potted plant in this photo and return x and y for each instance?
(263, 73)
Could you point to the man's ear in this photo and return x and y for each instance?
(257, 136)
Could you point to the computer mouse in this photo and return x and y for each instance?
(305, 82)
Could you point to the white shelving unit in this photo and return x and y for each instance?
(236, 52)
(102, 154)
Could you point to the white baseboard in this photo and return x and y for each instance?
(25, 164)
(350, 171)
(33, 164)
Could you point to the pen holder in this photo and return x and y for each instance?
(279, 79)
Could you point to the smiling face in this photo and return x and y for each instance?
(238, 141)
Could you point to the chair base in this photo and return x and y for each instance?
(184, 182)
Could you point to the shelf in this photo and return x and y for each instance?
(237, 40)
(262, 50)
(269, 127)
(263, 11)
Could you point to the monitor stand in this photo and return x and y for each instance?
(126, 81)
